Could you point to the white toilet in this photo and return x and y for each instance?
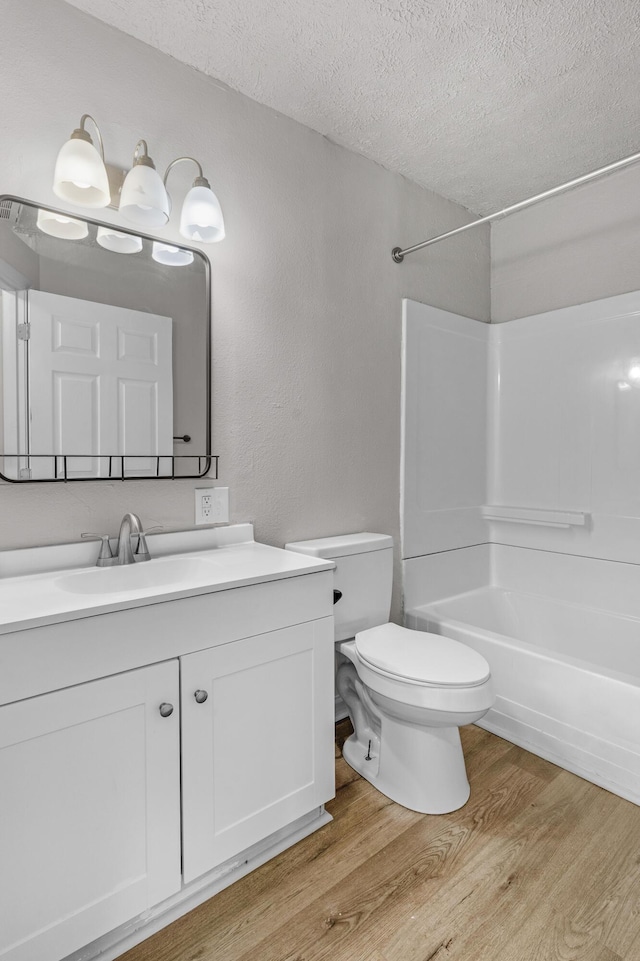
(407, 692)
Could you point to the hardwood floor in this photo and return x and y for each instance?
(538, 866)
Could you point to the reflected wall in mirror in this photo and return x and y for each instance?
(105, 345)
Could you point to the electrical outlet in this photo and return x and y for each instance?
(212, 505)
(204, 505)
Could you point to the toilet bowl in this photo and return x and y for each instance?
(407, 692)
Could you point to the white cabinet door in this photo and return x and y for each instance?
(258, 752)
(89, 811)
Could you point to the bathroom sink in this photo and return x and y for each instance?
(162, 572)
(61, 582)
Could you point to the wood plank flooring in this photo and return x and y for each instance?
(538, 866)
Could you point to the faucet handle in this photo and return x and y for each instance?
(105, 554)
(142, 551)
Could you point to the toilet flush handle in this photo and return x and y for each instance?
(336, 596)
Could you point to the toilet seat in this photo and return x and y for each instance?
(430, 705)
(420, 657)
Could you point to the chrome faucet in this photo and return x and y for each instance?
(129, 526)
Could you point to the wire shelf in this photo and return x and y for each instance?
(43, 468)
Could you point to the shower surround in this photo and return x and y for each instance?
(521, 519)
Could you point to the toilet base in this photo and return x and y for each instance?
(420, 768)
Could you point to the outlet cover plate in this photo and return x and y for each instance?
(211, 505)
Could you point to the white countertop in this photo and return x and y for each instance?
(230, 559)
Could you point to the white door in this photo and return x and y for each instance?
(89, 811)
(259, 751)
(100, 383)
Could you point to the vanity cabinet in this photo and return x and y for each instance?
(90, 810)
(157, 743)
(255, 733)
(149, 753)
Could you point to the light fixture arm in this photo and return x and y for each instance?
(142, 158)
(81, 133)
(200, 181)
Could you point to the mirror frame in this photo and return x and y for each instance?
(210, 468)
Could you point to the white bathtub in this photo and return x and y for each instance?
(567, 677)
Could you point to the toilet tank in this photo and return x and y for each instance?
(364, 575)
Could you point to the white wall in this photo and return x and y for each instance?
(578, 247)
(306, 299)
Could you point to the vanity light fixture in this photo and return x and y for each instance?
(116, 241)
(82, 178)
(201, 217)
(144, 200)
(171, 256)
(80, 175)
(59, 225)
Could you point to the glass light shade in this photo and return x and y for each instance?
(171, 256)
(119, 243)
(144, 200)
(201, 218)
(58, 225)
(80, 176)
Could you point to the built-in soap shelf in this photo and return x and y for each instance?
(541, 517)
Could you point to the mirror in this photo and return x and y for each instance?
(105, 351)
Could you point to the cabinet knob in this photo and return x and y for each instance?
(166, 710)
(200, 696)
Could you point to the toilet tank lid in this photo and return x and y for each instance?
(342, 545)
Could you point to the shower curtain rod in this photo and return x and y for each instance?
(398, 254)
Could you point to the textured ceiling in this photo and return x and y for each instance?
(483, 101)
